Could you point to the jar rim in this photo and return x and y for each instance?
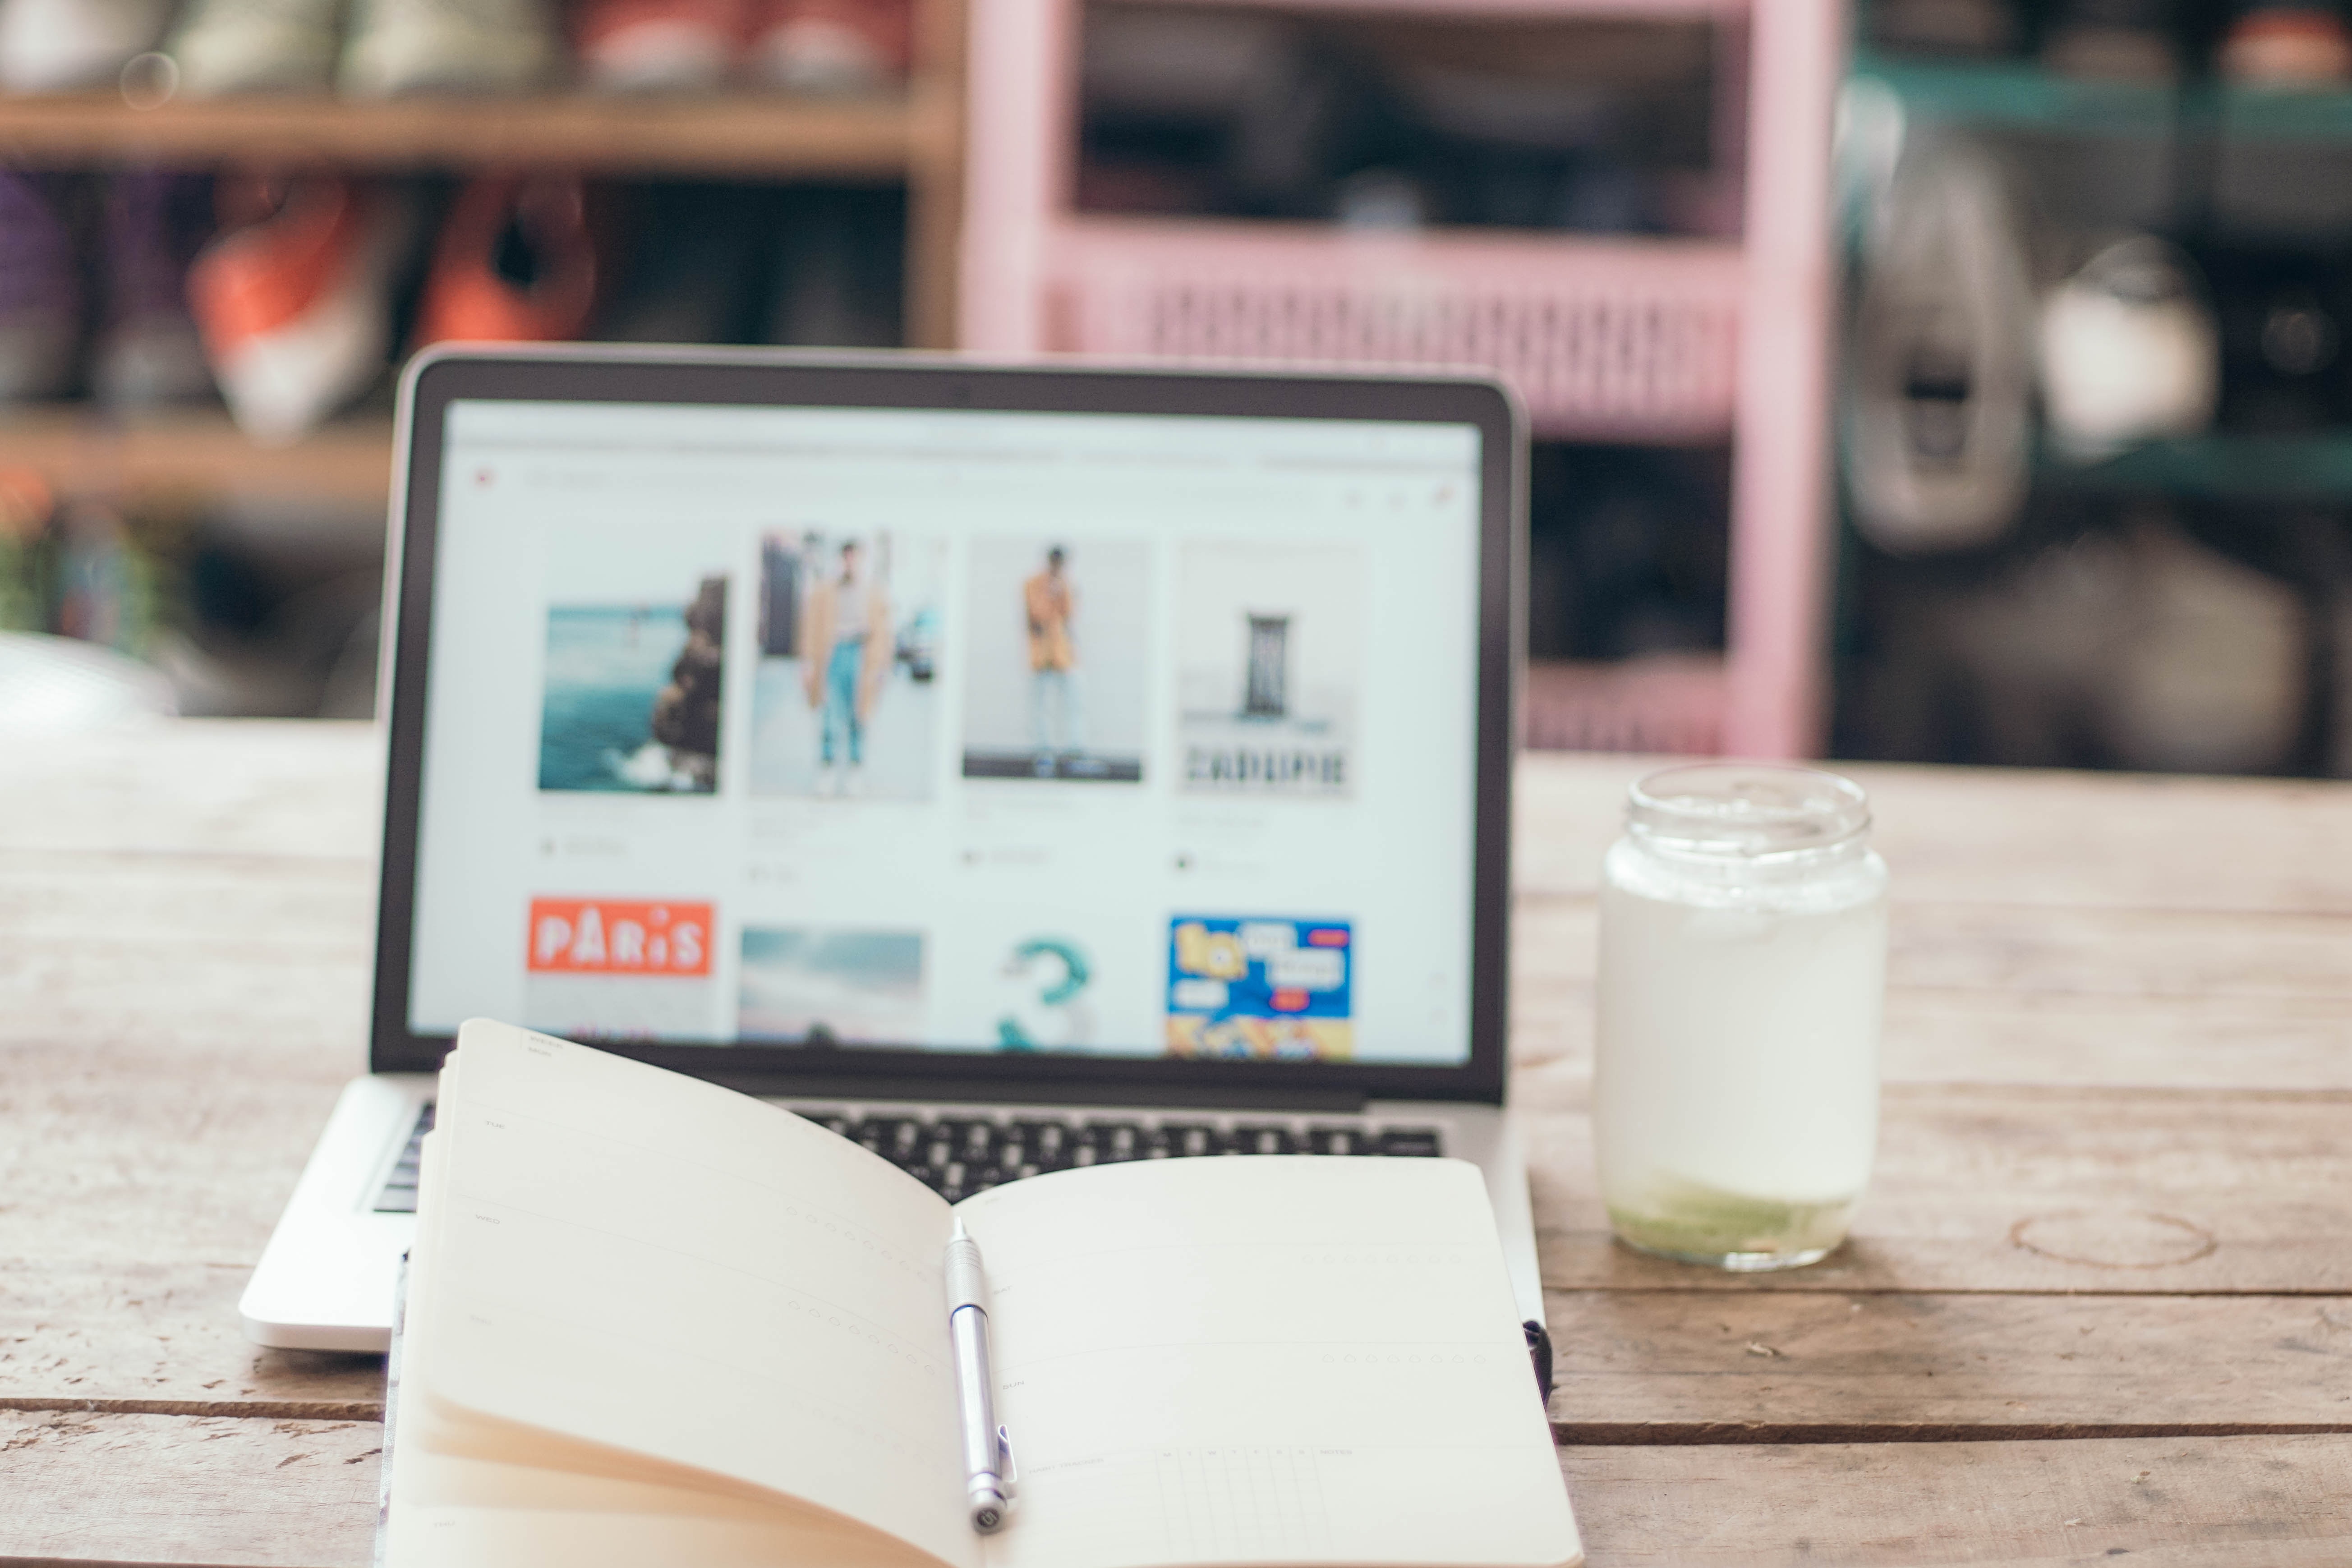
(1746, 810)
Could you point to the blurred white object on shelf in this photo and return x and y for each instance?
(59, 46)
(2129, 350)
(397, 48)
(52, 683)
(229, 47)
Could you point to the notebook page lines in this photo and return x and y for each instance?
(1226, 1503)
(1265, 1361)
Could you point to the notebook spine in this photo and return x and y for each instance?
(391, 1413)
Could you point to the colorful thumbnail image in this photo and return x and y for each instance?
(1042, 1001)
(1059, 635)
(619, 969)
(619, 936)
(845, 700)
(632, 692)
(1258, 988)
(823, 986)
(1269, 654)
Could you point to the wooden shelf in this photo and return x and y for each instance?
(349, 463)
(2317, 466)
(1604, 338)
(2253, 115)
(740, 134)
(2019, 95)
(1538, 10)
(1670, 703)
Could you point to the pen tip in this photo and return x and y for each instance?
(960, 1234)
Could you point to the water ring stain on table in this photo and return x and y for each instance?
(2114, 1238)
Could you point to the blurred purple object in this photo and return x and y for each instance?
(39, 301)
(148, 351)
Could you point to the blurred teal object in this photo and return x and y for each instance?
(1055, 994)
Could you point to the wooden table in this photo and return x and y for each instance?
(2099, 1305)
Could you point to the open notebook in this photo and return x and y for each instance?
(653, 1320)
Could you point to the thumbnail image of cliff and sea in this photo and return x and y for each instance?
(632, 690)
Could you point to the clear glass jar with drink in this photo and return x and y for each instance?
(1742, 975)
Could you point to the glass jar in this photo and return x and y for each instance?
(1742, 973)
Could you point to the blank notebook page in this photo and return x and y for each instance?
(644, 1261)
(1264, 1360)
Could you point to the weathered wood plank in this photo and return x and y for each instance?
(2039, 950)
(148, 1152)
(2107, 1192)
(2206, 1042)
(172, 1031)
(2020, 993)
(141, 1170)
(105, 1488)
(2119, 841)
(268, 958)
(156, 1127)
(2250, 1502)
(2024, 995)
(1684, 1366)
(184, 914)
(2030, 950)
(223, 904)
(291, 1494)
(2013, 836)
(1989, 1037)
(2008, 1188)
(152, 1153)
(2250, 984)
(122, 1334)
(209, 787)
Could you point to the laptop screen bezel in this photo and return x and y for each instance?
(786, 379)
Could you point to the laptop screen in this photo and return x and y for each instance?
(1129, 735)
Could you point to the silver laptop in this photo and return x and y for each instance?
(1011, 768)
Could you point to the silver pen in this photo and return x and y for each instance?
(987, 1482)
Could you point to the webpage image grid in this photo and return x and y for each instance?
(866, 742)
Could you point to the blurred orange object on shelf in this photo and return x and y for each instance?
(293, 297)
(516, 262)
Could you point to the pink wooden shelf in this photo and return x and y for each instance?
(1623, 339)
(1670, 704)
(1610, 339)
(1594, 10)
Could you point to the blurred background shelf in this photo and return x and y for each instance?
(2177, 251)
(250, 574)
(346, 464)
(742, 134)
(2253, 115)
(1582, 10)
(1320, 242)
(1670, 704)
(2019, 95)
(2317, 466)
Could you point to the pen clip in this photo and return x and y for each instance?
(1009, 1471)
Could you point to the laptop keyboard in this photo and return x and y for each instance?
(957, 1156)
(399, 1194)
